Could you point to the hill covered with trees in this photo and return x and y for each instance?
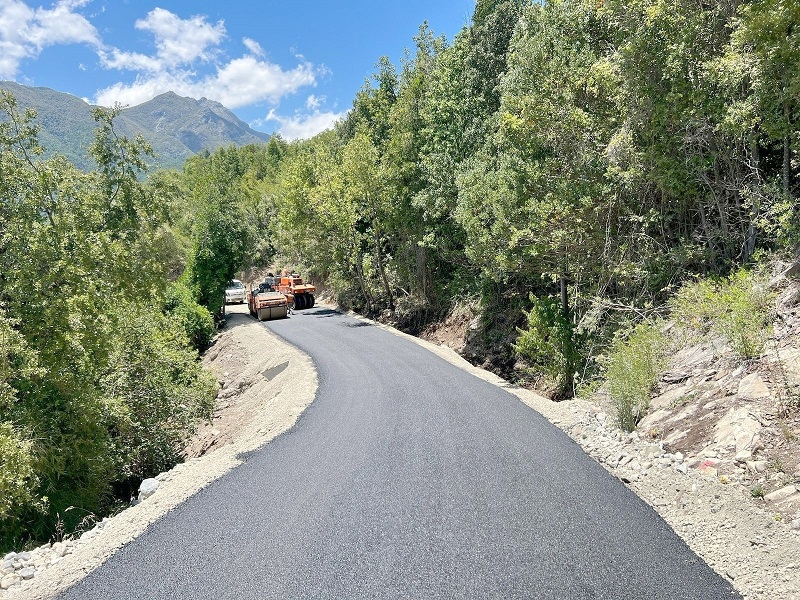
(565, 165)
(174, 126)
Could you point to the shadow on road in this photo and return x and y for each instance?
(322, 312)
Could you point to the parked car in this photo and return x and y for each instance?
(235, 292)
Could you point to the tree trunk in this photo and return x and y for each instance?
(381, 268)
(787, 167)
(422, 272)
(364, 292)
(787, 156)
(568, 350)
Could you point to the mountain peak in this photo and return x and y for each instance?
(176, 126)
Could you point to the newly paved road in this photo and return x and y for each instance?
(407, 478)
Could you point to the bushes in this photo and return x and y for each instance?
(737, 308)
(99, 385)
(18, 480)
(161, 389)
(551, 345)
(17, 476)
(634, 365)
(196, 320)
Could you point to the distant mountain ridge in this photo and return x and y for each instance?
(176, 127)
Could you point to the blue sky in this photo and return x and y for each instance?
(287, 67)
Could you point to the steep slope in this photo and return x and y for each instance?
(66, 124)
(177, 127)
(187, 125)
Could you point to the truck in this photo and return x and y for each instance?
(299, 294)
(266, 302)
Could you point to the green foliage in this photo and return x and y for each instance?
(96, 385)
(737, 307)
(18, 479)
(551, 344)
(634, 366)
(230, 203)
(159, 387)
(196, 321)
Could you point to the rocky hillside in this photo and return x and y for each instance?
(176, 127)
(739, 420)
(733, 420)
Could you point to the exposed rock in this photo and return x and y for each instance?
(757, 466)
(9, 581)
(737, 430)
(752, 387)
(148, 488)
(781, 494)
(676, 377)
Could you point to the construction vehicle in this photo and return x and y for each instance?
(299, 294)
(266, 302)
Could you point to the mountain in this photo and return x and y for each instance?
(175, 126)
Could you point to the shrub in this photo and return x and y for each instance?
(634, 365)
(737, 307)
(18, 478)
(160, 391)
(17, 475)
(196, 320)
(550, 343)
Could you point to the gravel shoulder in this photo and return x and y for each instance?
(261, 397)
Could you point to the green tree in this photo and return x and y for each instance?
(220, 233)
(81, 256)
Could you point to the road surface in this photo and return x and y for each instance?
(407, 478)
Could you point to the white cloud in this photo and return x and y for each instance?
(178, 42)
(133, 61)
(254, 47)
(247, 80)
(183, 43)
(240, 82)
(301, 127)
(25, 32)
(314, 102)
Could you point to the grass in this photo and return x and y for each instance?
(738, 308)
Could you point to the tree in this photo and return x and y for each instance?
(220, 232)
(82, 257)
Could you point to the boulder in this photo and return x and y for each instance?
(782, 494)
(148, 488)
(738, 431)
(752, 387)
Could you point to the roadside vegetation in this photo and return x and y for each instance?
(582, 173)
(572, 165)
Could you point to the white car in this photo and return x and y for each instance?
(235, 292)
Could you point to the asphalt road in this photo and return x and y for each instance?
(407, 478)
